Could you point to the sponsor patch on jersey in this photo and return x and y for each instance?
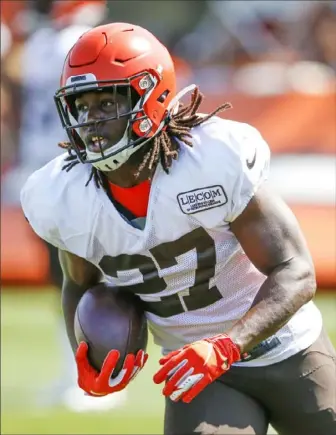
(205, 198)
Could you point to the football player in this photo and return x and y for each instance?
(175, 205)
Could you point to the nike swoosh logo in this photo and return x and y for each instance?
(251, 163)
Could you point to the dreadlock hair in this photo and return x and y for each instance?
(164, 147)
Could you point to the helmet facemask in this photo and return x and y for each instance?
(115, 155)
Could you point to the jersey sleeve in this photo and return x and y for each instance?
(249, 160)
(52, 202)
(39, 210)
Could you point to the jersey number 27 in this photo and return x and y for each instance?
(199, 295)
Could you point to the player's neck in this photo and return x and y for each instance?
(126, 176)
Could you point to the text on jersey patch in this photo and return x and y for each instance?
(205, 198)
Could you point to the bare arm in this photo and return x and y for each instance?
(271, 237)
(78, 276)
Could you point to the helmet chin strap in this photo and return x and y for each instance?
(114, 161)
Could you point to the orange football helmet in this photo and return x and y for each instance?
(114, 56)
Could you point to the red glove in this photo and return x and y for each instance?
(190, 369)
(96, 383)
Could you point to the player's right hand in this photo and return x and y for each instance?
(101, 383)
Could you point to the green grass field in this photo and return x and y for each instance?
(29, 358)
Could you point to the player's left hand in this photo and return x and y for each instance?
(190, 369)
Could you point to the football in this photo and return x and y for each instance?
(110, 318)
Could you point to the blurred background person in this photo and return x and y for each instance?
(51, 28)
(255, 49)
(8, 150)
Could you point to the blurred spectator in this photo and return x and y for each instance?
(6, 39)
(244, 49)
(7, 140)
(52, 27)
(320, 44)
(41, 60)
(169, 20)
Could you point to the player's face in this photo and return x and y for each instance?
(95, 106)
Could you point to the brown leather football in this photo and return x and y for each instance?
(110, 318)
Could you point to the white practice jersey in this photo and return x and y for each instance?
(185, 264)
(42, 62)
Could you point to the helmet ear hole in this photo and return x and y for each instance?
(163, 96)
